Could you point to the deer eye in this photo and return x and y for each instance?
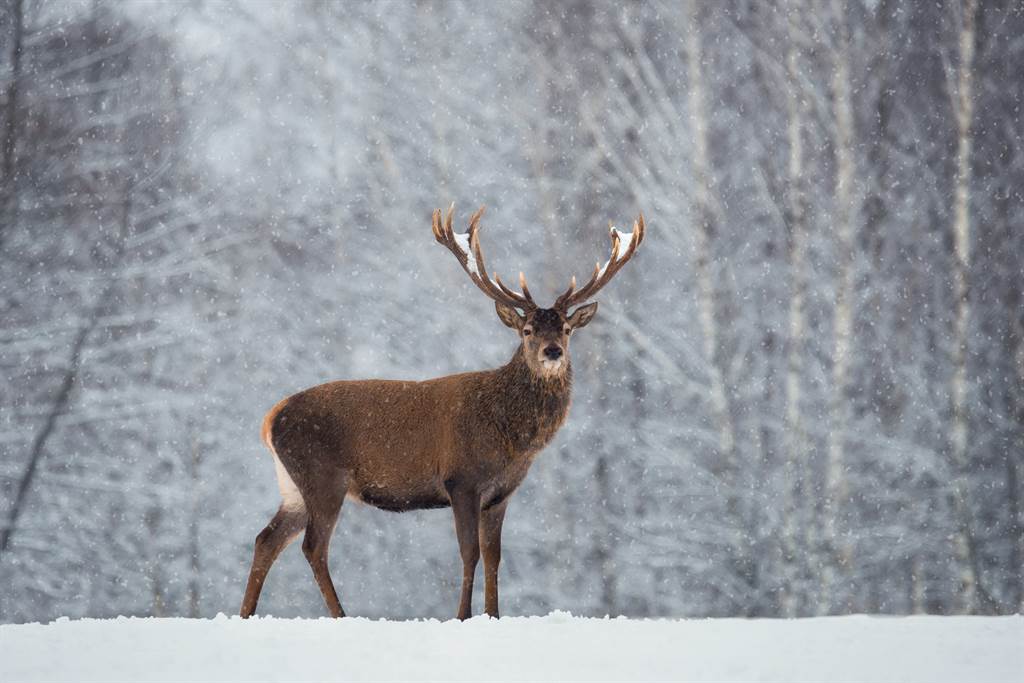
(527, 331)
(567, 331)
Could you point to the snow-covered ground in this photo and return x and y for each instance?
(556, 647)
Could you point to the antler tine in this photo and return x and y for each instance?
(445, 236)
(602, 276)
(525, 297)
(477, 270)
(520, 300)
(448, 221)
(564, 295)
(522, 286)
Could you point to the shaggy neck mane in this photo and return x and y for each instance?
(529, 408)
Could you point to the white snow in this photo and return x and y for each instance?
(623, 244)
(625, 238)
(462, 239)
(555, 647)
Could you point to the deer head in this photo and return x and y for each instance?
(544, 332)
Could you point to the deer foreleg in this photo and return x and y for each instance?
(466, 507)
(491, 520)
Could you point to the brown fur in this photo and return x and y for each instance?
(479, 429)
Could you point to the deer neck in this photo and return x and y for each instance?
(529, 408)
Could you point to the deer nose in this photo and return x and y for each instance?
(553, 351)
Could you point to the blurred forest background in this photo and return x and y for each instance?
(806, 396)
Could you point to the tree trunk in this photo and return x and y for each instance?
(195, 567)
(1014, 483)
(153, 519)
(8, 202)
(57, 407)
(837, 557)
(795, 443)
(604, 547)
(879, 139)
(702, 239)
(963, 109)
(725, 466)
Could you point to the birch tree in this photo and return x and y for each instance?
(14, 23)
(845, 217)
(796, 230)
(703, 211)
(962, 100)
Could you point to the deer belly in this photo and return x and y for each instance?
(397, 498)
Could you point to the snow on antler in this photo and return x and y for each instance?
(466, 247)
(462, 240)
(623, 247)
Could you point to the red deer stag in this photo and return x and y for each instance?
(464, 441)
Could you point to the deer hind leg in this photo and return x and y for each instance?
(466, 508)
(282, 530)
(317, 541)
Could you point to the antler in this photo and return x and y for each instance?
(461, 244)
(603, 275)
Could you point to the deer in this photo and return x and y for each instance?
(463, 441)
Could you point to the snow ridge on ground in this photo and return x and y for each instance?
(555, 647)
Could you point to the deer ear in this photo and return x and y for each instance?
(582, 315)
(509, 316)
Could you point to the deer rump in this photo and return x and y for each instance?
(398, 453)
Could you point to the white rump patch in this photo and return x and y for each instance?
(290, 496)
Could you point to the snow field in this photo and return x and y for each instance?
(555, 647)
